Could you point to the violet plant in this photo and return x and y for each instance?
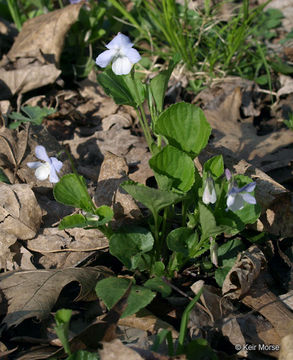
(189, 210)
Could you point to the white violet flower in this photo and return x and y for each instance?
(209, 194)
(238, 196)
(121, 54)
(50, 167)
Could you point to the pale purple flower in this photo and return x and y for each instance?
(121, 54)
(228, 174)
(238, 196)
(214, 251)
(209, 193)
(74, 1)
(50, 167)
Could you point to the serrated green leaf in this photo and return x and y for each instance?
(185, 127)
(173, 168)
(110, 290)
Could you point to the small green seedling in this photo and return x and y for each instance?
(33, 114)
(62, 318)
(289, 122)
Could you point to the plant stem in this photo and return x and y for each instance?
(184, 211)
(141, 115)
(157, 242)
(184, 321)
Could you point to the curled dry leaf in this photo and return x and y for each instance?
(261, 299)
(20, 213)
(221, 314)
(246, 269)
(245, 281)
(36, 51)
(34, 293)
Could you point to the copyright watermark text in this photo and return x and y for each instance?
(257, 347)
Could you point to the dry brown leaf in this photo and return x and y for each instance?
(13, 146)
(261, 299)
(116, 350)
(66, 248)
(245, 281)
(286, 352)
(6, 240)
(286, 83)
(288, 299)
(246, 269)
(240, 329)
(113, 172)
(36, 52)
(145, 320)
(26, 79)
(222, 105)
(34, 293)
(45, 33)
(90, 89)
(221, 313)
(20, 214)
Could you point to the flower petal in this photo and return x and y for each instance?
(105, 58)
(43, 171)
(53, 176)
(41, 153)
(133, 55)
(34, 164)
(121, 66)
(230, 200)
(249, 187)
(119, 41)
(237, 204)
(56, 164)
(228, 174)
(209, 196)
(249, 199)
